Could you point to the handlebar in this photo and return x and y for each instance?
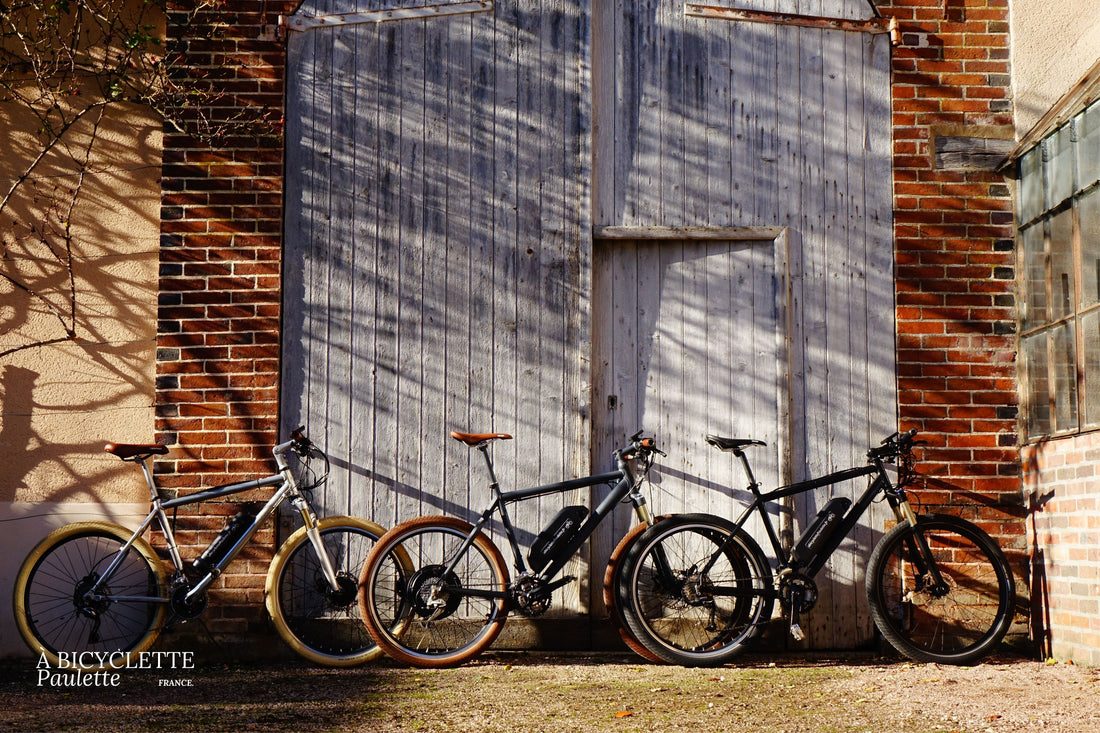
(305, 448)
(641, 447)
(898, 445)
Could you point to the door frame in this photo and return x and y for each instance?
(786, 341)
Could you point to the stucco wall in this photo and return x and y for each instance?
(1053, 45)
(62, 401)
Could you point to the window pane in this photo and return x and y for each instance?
(1064, 372)
(1061, 265)
(1035, 276)
(1034, 350)
(1090, 328)
(1088, 144)
(1031, 184)
(1090, 249)
(1060, 166)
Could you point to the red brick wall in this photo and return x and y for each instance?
(1062, 478)
(218, 328)
(954, 237)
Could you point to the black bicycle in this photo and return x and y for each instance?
(696, 589)
(435, 591)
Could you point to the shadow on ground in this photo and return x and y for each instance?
(556, 692)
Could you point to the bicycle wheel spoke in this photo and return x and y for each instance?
(416, 592)
(954, 614)
(53, 592)
(320, 622)
(696, 590)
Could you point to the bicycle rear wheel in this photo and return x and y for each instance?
(53, 612)
(318, 622)
(696, 590)
(956, 622)
(419, 611)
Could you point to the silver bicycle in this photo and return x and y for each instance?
(99, 587)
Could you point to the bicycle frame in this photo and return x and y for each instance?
(288, 488)
(895, 496)
(624, 483)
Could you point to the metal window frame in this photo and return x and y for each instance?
(1084, 420)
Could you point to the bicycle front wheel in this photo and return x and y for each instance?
(319, 622)
(696, 590)
(952, 606)
(57, 613)
(432, 593)
(611, 579)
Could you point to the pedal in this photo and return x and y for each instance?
(796, 632)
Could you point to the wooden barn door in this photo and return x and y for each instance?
(704, 121)
(437, 241)
(690, 338)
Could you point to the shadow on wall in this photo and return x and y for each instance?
(78, 277)
(77, 325)
(1037, 497)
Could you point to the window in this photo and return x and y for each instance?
(1058, 249)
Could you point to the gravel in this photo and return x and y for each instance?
(568, 692)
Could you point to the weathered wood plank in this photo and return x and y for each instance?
(462, 141)
(435, 147)
(483, 324)
(718, 233)
(838, 356)
(604, 58)
(386, 358)
(576, 243)
(367, 496)
(336, 284)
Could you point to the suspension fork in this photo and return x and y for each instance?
(920, 553)
(309, 518)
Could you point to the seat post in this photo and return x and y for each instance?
(483, 446)
(754, 486)
(153, 495)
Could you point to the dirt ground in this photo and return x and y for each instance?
(568, 692)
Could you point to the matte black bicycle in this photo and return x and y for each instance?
(99, 587)
(696, 589)
(435, 591)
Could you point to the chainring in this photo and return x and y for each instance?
(797, 591)
(183, 608)
(530, 596)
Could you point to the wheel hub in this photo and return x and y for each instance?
(345, 593)
(85, 605)
(426, 591)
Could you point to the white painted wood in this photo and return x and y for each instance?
(693, 328)
(306, 22)
(445, 177)
(806, 150)
(438, 259)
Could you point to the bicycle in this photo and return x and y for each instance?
(697, 589)
(99, 587)
(435, 591)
